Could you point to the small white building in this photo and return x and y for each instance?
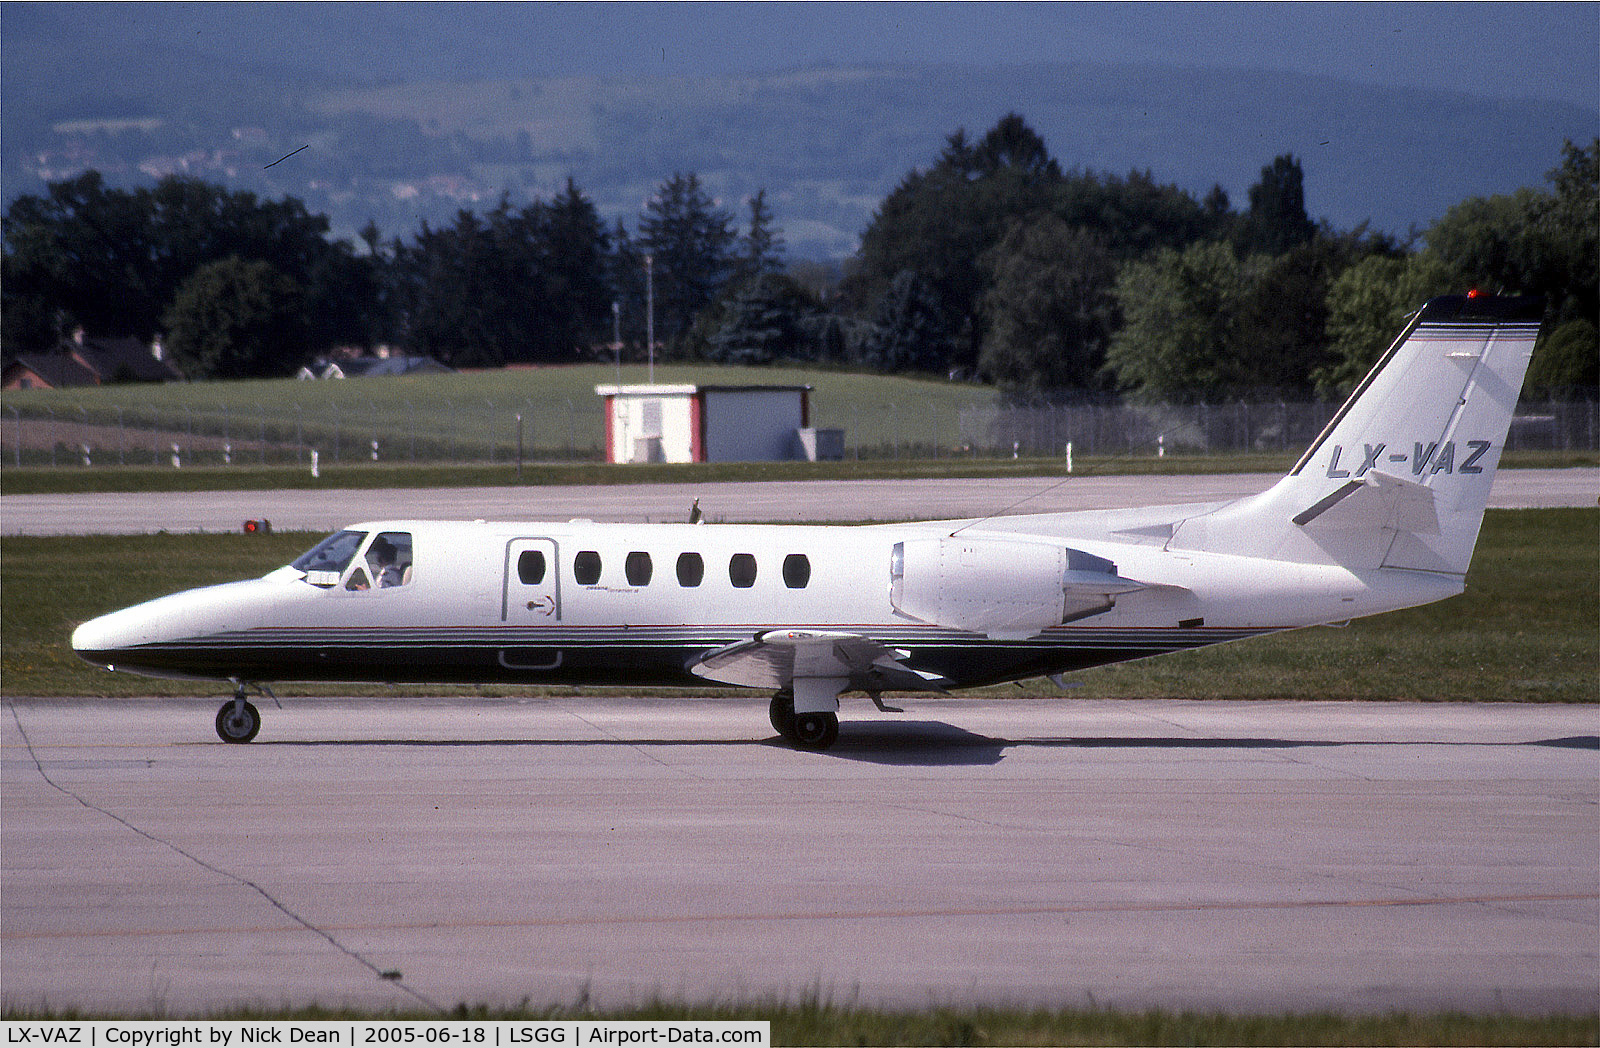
(712, 424)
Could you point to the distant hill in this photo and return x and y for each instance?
(826, 143)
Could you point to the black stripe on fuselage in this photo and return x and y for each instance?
(615, 656)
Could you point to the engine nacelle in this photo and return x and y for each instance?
(999, 587)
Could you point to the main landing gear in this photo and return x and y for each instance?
(238, 721)
(807, 731)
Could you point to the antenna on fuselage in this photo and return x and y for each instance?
(695, 515)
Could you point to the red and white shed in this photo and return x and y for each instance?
(705, 423)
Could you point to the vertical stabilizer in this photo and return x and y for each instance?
(1401, 475)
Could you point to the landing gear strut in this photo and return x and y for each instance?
(807, 731)
(238, 721)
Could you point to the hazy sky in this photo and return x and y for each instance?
(1495, 49)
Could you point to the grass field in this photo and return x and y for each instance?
(255, 434)
(469, 415)
(1526, 630)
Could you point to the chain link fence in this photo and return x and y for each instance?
(1273, 426)
(432, 431)
(478, 430)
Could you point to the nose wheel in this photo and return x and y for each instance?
(238, 720)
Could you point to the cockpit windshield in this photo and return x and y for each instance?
(325, 562)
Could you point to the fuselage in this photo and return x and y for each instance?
(642, 604)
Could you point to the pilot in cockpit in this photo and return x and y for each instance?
(384, 558)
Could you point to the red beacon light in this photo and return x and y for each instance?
(1474, 293)
(258, 527)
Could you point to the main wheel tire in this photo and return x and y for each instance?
(815, 731)
(238, 725)
(781, 713)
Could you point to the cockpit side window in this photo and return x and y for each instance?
(389, 559)
(325, 562)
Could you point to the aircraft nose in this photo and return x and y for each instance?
(99, 640)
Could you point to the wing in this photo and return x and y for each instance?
(774, 658)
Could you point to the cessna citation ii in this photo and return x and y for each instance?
(1380, 513)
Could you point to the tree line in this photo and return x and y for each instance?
(990, 263)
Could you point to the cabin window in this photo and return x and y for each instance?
(325, 562)
(531, 567)
(586, 568)
(742, 570)
(638, 569)
(796, 571)
(691, 569)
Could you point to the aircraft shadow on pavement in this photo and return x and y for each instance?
(919, 743)
(925, 743)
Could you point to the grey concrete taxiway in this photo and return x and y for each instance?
(412, 853)
(810, 500)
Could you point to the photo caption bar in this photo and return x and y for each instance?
(576, 1033)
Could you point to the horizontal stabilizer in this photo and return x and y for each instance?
(1380, 500)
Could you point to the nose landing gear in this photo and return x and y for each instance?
(238, 721)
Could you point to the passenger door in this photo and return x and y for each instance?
(532, 591)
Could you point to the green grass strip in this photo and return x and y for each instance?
(68, 480)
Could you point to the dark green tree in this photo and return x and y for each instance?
(690, 241)
(760, 249)
(473, 290)
(112, 260)
(761, 322)
(909, 331)
(1014, 146)
(938, 223)
(1136, 215)
(1567, 357)
(576, 251)
(78, 255)
(515, 284)
(1277, 220)
(1050, 307)
(1287, 328)
(625, 270)
(236, 319)
(1186, 318)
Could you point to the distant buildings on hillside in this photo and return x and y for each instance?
(84, 360)
(353, 363)
(89, 360)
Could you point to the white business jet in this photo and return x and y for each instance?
(1380, 513)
